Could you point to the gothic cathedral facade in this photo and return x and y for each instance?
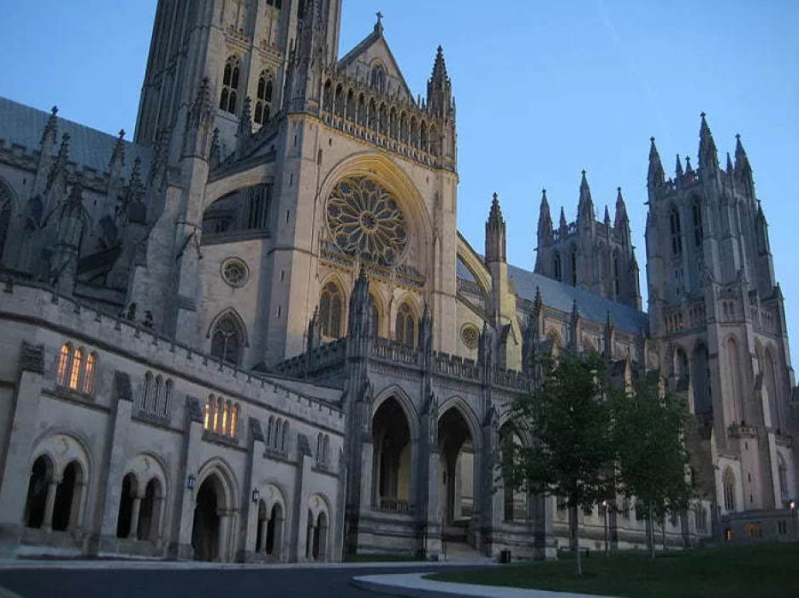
(255, 333)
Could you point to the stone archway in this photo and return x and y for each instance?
(391, 468)
(208, 535)
(458, 474)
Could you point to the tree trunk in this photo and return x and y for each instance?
(575, 538)
(651, 532)
(663, 532)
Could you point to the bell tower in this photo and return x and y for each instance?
(241, 46)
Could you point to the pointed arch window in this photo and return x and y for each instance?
(226, 341)
(77, 363)
(263, 101)
(616, 275)
(558, 268)
(375, 316)
(5, 218)
(676, 232)
(378, 77)
(405, 328)
(729, 490)
(88, 377)
(782, 472)
(230, 85)
(574, 267)
(330, 310)
(64, 359)
(699, 234)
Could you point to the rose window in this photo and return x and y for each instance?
(366, 221)
(235, 272)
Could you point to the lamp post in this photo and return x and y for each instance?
(605, 509)
(792, 506)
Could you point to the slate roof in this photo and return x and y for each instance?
(89, 148)
(562, 296)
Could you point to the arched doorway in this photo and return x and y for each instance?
(149, 513)
(274, 532)
(320, 538)
(457, 455)
(391, 471)
(205, 534)
(124, 519)
(67, 498)
(36, 503)
(515, 500)
(260, 533)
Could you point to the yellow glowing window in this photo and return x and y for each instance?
(208, 408)
(234, 421)
(88, 377)
(218, 416)
(226, 419)
(63, 365)
(77, 362)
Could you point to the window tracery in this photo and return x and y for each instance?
(405, 326)
(366, 221)
(230, 85)
(263, 98)
(330, 310)
(226, 341)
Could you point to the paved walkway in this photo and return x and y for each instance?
(414, 584)
(158, 565)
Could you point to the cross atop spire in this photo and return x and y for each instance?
(379, 24)
(585, 209)
(708, 155)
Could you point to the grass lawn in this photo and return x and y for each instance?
(730, 571)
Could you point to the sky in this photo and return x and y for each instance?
(543, 89)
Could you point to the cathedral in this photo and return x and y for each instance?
(255, 334)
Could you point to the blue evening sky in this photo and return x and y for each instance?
(544, 89)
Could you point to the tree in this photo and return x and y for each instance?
(569, 421)
(652, 457)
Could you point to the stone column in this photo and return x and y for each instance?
(263, 525)
(111, 490)
(52, 486)
(134, 517)
(224, 536)
(23, 421)
(183, 519)
(367, 465)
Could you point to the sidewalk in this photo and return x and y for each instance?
(414, 584)
(110, 564)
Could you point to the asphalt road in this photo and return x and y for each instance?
(131, 583)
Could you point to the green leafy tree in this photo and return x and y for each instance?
(652, 457)
(571, 453)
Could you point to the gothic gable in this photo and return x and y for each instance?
(365, 61)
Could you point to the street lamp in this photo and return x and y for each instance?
(191, 482)
(605, 509)
(792, 506)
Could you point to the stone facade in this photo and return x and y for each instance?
(255, 333)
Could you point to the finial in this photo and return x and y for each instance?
(122, 133)
(703, 115)
(379, 24)
(54, 110)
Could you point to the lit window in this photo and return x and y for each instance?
(63, 364)
(88, 377)
(77, 362)
(209, 412)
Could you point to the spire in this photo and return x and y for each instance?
(743, 170)
(563, 226)
(118, 155)
(621, 220)
(729, 163)
(60, 165)
(439, 88)
(656, 176)
(51, 129)
(607, 216)
(678, 168)
(495, 233)
(688, 169)
(544, 220)
(585, 209)
(708, 155)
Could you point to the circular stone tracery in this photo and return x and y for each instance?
(366, 221)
